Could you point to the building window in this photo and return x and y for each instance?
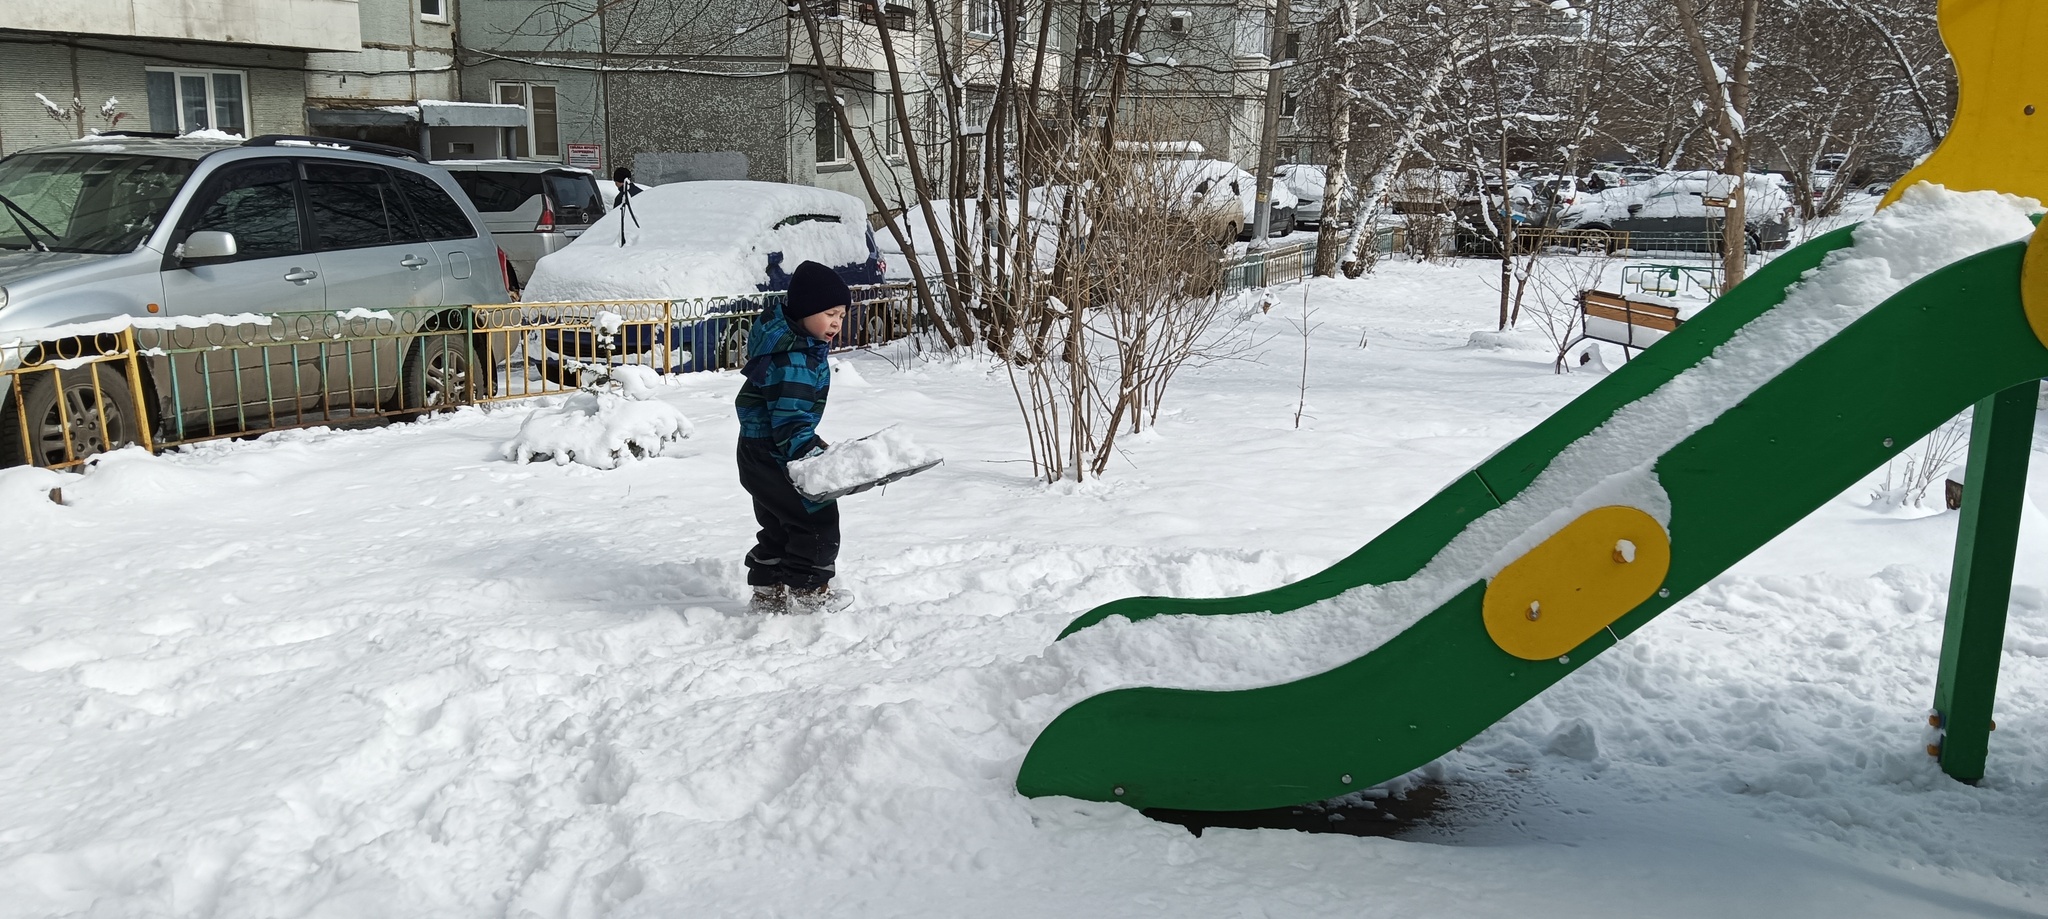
(885, 123)
(980, 104)
(1293, 46)
(183, 101)
(984, 16)
(543, 119)
(831, 146)
(1290, 104)
(1253, 33)
(434, 10)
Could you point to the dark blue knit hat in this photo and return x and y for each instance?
(814, 289)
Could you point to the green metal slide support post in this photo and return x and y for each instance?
(1987, 544)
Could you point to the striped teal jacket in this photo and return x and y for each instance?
(788, 376)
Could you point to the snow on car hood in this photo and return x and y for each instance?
(703, 239)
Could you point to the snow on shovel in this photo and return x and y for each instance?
(857, 465)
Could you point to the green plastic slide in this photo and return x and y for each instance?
(1883, 383)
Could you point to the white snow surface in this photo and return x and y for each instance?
(852, 462)
(387, 672)
(702, 239)
(1927, 229)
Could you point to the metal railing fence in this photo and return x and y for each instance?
(1267, 267)
(158, 383)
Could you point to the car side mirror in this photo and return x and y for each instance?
(1634, 209)
(207, 244)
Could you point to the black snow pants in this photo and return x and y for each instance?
(796, 547)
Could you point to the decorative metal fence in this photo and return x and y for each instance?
(1267, 267)
(159, 383)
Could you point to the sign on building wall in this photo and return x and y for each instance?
(586, 156)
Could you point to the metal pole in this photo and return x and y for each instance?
(1269, 139)
(1987, 541)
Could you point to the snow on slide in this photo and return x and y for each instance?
(1929, 228)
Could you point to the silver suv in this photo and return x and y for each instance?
(114, 226)
(532, 209)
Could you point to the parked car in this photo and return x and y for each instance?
(722, 242)
(118, 226)
(1306, 183)
(1478, 231)
(1673, 205)
(1044, 230)
(531, 208)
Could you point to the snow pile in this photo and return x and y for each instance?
(886, 452)
(1929, 228)
(703, 239)
(600, 427)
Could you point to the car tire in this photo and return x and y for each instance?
(1751, 242)
(441, 372)
(84, 408)
(1286, 229)
(1598, 239)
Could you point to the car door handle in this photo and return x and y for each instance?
(413, 262)
(300, 275)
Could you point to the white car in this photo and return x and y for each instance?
(955, 215)
(720, 243)
(1307, 184)
(1674, 204)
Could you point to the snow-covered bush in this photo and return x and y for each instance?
(615, 420)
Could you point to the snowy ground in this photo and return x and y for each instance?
(387, 672)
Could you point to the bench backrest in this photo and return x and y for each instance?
(1631, 323)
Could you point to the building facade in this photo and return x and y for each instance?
(238, 66)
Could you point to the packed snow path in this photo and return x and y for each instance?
(389, 672)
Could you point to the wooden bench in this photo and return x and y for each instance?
(1616, 319)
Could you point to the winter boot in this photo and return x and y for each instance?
(821, 599)
(769, 601)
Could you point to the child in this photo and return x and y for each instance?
(790, 567)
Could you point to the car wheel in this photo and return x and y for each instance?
(92, 419)
(441, 372)
(1751, 242)
(1596, 239)
(1287, 228)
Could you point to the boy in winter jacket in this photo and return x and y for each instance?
(787, 378)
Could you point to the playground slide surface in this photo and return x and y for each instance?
(1730, 484)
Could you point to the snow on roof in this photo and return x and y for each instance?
(703, 239)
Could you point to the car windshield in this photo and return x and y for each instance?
(88, 202)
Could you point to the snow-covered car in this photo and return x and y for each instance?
(723, 242)
(1674, 204)
(1211, 186)
(953, 216)
(1306, 183)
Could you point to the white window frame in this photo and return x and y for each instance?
(212, 103)
(441, 11)
(532, 151)
(984, 18)
(885, 106)
(820, 132)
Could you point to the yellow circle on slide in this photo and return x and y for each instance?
(2034, 283)
(1577, 582)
